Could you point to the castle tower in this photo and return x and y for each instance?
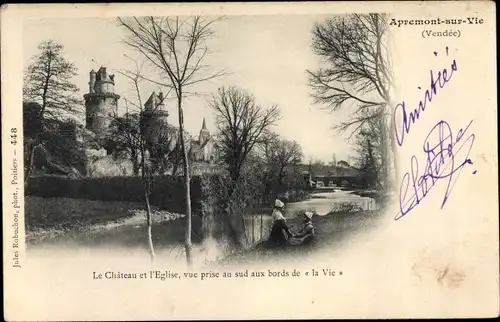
(204, 133)
(154, 118)
(101, 101)
(155, 106)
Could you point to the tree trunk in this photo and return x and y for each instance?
(245, 230)
(237, 235)
(175, 166)
(383, 153)
(261, 226)
(188, 242)
(135, 163)
(394, 149)
(146, 180)
(150, 226)
(30, 164)
(253, 229)
(234, 236)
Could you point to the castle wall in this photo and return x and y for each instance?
(99, 112)
(100, 102)
(105, 87)
(155, 127)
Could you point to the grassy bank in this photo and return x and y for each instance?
(52, 220)
(332, 231)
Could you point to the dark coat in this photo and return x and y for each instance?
(279, 233)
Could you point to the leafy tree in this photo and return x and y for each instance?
(47, 82)
(367, 160)
(58, 147)
(123, 140)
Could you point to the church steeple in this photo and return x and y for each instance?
(204, 133)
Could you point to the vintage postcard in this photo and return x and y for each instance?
(300, 160)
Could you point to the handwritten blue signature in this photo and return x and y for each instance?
(442, 150)
(437, 81)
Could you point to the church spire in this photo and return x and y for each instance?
(204, 133)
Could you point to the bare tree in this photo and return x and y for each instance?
(240, 123)
(278, 154)
(176, 48)
(47, 81)
(357, 70)
(131, 127)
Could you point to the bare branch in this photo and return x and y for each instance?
(353, 48)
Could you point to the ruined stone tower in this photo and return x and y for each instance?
(100, 102)
(154, 118)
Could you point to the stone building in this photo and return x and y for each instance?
(100, 102)
(203, 149)
(154, 118)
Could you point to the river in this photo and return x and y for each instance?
(168, 236)
(324, 202)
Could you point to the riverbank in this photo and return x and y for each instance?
(377, 195)
(75, 223)
(333, 230)
(53, 220)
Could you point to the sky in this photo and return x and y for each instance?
(264, 55)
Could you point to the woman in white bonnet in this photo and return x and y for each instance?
(280, 233)
(306, 234)
(277, 211)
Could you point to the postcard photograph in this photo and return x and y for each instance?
(177, 162)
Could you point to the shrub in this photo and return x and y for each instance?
(229, 202)
(167, 191)
(346, 206)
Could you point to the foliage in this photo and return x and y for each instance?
(164, 147)
(32, 124)
(232, 201)
(57, 220)
(368, 158)
(47, 82)
(123, 140)
(281, 159)
(166, 191)
(345, 207)
(56, 147)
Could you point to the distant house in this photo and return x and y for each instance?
(343, 164)
(328, 175)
